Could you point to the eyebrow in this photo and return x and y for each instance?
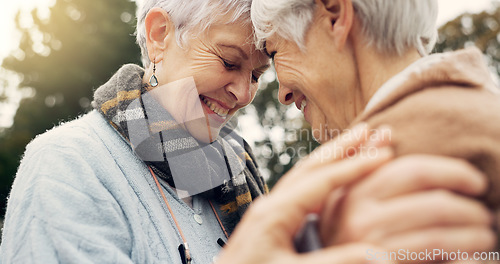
(242, 53)
(265, 49)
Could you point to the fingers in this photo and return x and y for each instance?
(338, 148)
(313, 189)
(469, 262)
(467, 239)
(348, 145)
(420, 172)
(326, 154)
(434, 208)
(303, 190)
(434, 245)
(308, 192)
(388, 204)
(419, 211)
(331, 215)
(358, 253)
(273, 220)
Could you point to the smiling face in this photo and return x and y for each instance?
(210, 78)
(320, 80)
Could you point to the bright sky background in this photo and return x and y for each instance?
(9, 39)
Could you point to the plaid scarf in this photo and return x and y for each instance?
(223, 171)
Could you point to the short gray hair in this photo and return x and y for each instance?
(189, 17)
(392, 26)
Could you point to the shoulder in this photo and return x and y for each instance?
(59, 192)
(441, 120)
(451, 101)
(88, 138)
(76, 134)
(73, 154)
(445, 109)
(68, 167)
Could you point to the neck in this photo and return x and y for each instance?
(375, 69)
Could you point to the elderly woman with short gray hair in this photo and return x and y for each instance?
(346, 62)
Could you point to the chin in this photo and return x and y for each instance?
(202, 131)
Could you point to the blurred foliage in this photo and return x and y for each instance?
(480, 30)
(63, 59)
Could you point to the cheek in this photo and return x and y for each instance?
(253, 91)
(316, 86)
(211, 79)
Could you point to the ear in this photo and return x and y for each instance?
(341, 16)
(159, 33)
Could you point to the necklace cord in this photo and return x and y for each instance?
(186, 250)
(168, 206)
(188, 254)
(218, 219)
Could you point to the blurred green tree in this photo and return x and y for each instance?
(63, 59)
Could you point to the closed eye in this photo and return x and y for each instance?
(255, 78)
(270, 55)
(229, 66)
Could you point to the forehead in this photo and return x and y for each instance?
(236, 36)
(228, 22)
(236, 33)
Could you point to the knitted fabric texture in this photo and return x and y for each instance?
(223, 171)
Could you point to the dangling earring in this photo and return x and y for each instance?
(153, 81)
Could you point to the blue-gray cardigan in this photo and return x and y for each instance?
(82, 196)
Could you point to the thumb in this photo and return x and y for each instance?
(355, 253)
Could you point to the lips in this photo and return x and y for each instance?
(301, 104)
(215, 107)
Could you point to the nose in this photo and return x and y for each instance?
(239, 89)
(285, 95)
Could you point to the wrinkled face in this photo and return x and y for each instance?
(319, 79)
(210, 78)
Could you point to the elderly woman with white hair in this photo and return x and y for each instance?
(343, 62)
